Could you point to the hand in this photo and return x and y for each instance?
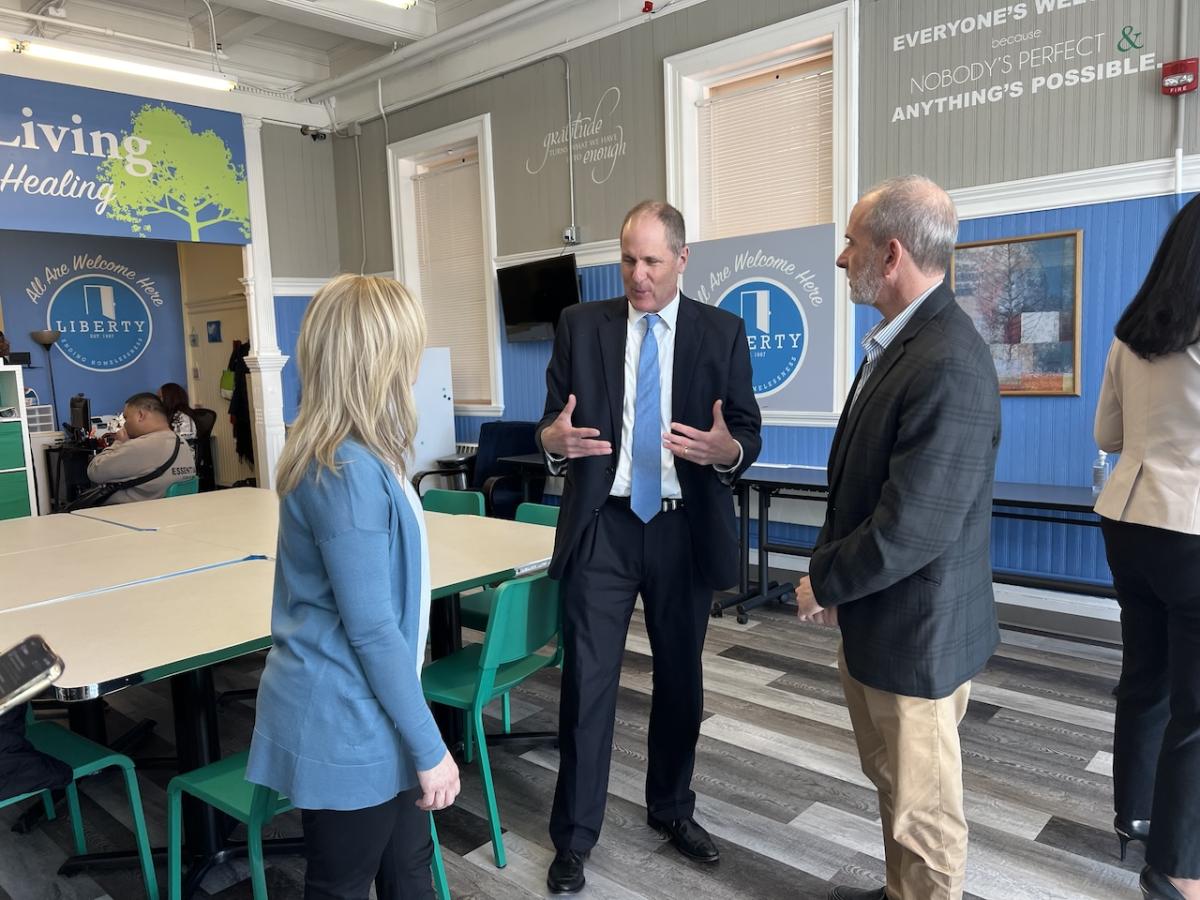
(439, 785)
(704, 448)
(563, 439)
(809, 610)
(121, 436)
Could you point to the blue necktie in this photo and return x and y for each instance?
(645, 494)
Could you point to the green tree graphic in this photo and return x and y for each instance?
(193, 179)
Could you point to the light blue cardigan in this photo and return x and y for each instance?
(341, 720)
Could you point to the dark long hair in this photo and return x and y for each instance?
(1164, 316)
(175, 399)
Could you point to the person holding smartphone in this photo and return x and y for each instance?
(342, 727)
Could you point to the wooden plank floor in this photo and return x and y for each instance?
(777, 777)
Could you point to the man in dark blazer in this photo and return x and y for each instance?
(650, 414)
(902, 563)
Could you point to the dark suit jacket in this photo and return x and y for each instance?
(905, 550)
(712, 362)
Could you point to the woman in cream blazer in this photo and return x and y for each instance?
(1149, 412)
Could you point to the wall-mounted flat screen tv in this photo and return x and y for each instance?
(532, 295)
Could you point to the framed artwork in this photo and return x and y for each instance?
(214, 331)
(1024, 295)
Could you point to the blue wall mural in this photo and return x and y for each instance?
(78, 160)
(117, 304)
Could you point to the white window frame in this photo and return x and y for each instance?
(401, 170)
(687, 75)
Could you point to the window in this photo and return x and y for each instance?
(445, 241)
(766, 150)
(761, 137)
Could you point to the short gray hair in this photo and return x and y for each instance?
(919, 214)
(669, 216)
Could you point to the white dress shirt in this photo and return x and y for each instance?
(635, 333)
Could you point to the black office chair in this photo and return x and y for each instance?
(205, 419)
(500, 485)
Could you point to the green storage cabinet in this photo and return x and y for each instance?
(14, 494)
(12, 445)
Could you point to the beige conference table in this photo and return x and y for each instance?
(135, 624)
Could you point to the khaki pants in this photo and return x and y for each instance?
(909, 749)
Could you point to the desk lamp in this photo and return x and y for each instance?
(48, 338)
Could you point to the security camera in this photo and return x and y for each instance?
(315, 133)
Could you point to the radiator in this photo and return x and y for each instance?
(466, 449)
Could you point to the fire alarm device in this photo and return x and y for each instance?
(1179, 77)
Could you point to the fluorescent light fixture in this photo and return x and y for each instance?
(403, 4)
(57, 53)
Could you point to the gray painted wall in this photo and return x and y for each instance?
(301, 204)
(531, 210)
(1108, 122)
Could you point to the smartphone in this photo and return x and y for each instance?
(25, 670)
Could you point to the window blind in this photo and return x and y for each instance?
(452, 271)
(766, 152)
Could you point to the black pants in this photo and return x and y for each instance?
(389, 845)
(618, 558)
(1156, 744)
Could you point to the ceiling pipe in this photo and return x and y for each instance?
(462, 34)
(105, 32)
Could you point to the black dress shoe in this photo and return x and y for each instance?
(689, 838)
(566, 872)
(1157, 887)
(841, 892)
(1130, 830)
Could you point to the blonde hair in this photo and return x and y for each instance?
(358, 353)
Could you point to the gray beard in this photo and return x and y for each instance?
(865, 290)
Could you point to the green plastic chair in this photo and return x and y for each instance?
(526, 616)
(86, 757)
(223, 786)
(475, 608)
(456, 503)
(183, 488)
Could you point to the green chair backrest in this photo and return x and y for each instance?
(456, 503)
(538, 514)
(525, 617)
(183, 488)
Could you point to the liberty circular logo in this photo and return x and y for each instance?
(105, 323)
(776, 330)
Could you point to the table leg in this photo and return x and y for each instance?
(197, 744)
(445, 637)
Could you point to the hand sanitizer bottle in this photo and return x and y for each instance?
(1099, 473)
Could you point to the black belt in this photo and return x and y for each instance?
(669, 504)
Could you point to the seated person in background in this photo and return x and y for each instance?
(144, 445)
(179, 412)
(23, 768)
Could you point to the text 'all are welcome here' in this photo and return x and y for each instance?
(1022, 59)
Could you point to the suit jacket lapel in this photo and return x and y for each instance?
(612, 351)
(689, 338)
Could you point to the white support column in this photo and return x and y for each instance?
(265, 361)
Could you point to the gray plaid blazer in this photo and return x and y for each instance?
(904, 553)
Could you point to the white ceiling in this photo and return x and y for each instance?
(275, 44)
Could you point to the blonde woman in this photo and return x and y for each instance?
(342, 727)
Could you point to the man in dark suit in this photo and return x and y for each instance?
(902, 563)
(651, 415)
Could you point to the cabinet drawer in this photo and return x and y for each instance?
(14, 495)
(12, 448)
